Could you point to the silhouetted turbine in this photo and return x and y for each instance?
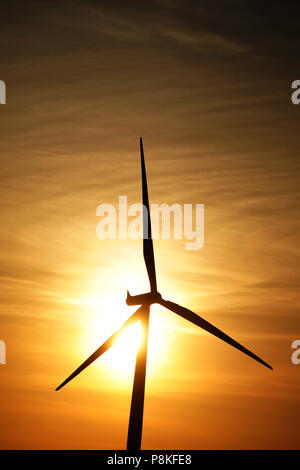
(142, 315)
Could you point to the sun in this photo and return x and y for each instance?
(102, 315)
(121, 356)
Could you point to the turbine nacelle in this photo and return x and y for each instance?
(143, 299)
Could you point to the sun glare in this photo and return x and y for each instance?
(121, 357)
(101, 316)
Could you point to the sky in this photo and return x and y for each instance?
(208, 86)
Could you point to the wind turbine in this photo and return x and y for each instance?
(142, 314)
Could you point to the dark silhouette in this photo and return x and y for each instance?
(143, 314)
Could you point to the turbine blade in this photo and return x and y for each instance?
(147, 231)
(104, 347)
(192, 317)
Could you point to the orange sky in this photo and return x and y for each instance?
(213, 105)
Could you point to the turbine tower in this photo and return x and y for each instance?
(142, 314)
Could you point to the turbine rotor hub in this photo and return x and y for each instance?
(143, 299)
